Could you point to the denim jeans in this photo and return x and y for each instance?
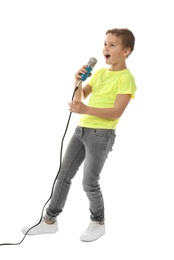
(90, 146)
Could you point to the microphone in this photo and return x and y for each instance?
(90, 65)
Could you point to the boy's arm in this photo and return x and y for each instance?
(121, 102)
(82, 92)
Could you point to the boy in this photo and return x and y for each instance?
(110, 91)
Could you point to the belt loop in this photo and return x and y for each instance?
(82, 131)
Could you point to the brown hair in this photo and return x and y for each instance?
(126, 36)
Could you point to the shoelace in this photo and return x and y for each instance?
(93, 226)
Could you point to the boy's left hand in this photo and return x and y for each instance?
(77, 107)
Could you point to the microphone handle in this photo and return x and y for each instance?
(90, 66)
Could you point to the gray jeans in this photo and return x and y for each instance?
(90, 146)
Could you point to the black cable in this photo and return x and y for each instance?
(60, 164)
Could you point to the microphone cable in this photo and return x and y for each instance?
(61, 150)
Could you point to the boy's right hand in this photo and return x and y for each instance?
(79, 73)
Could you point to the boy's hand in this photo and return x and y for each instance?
(78, 107)
(79, 73)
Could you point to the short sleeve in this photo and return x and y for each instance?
(127, 85)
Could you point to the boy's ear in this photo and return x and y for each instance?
(127, 52)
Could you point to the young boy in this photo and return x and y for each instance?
(110, 91)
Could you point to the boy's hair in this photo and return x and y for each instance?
(126, 36)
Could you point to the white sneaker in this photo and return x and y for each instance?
(41, 228)
(93, 232)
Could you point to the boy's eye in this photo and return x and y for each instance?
(112, 44)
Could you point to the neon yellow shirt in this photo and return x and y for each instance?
(106, 85)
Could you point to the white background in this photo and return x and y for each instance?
(42, 45)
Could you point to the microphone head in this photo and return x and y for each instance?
(92, 62)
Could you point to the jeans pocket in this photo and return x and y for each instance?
(103, 132)
(78, 131)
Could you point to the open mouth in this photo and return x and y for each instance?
(107, 56)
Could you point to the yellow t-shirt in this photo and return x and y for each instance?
(106, 85)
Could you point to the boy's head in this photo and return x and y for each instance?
(126, 36)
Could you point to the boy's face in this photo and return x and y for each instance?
(113, 50)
